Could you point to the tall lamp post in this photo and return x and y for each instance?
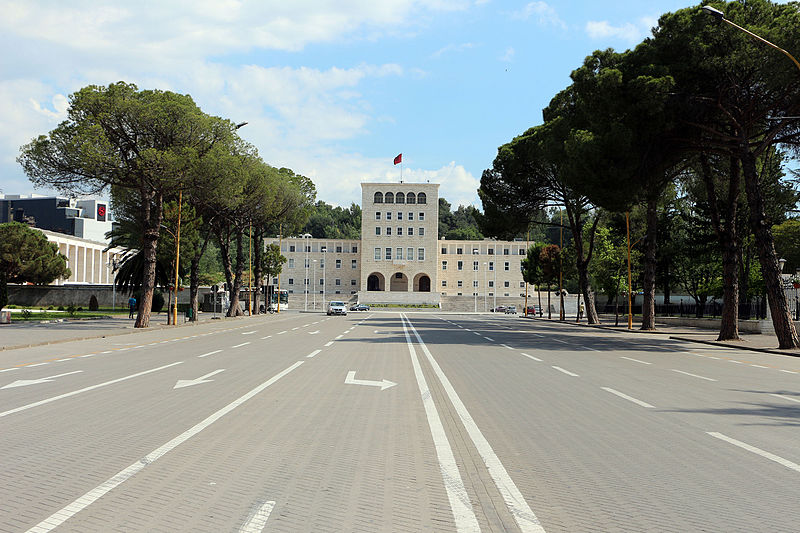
(720, 17)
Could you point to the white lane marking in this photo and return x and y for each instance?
(532, 357)
(567, 372)
(37, 364)
(590, 348)
(328, 343)
(209, 353)
(759, 366)
(26, 382)
(281, 332)
(758, 451)
(789, 371)
(313, 332)
(257, 522)
(181, 383)
(85, 389)
(519, 508)
(305, 325)
(635, 360)
(57, 361)
(693, 375)
(240, 345)
(339, 336)
(312, 354)
(737, 362)
(267, 337)
(506, 346)
(298, 327)
(108, 351)
(17, 368)
(89, 355)
(712, 357)
(248, 332)
(559, 340)
(61, 516)
(460, 504)
(488, 339)
(785, 397)
(629, 398)
(537, 335)
(467, 329)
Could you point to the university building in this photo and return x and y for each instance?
(400, 259)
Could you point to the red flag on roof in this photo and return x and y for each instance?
(398, 159)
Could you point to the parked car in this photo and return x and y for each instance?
(511, 310)
(499, 309)
(534, 310)
(336, 308)
(359, 307)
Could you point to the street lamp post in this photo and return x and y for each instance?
(720, 17)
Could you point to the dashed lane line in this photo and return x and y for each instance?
(567, 372)
(783, 397)
(531, 357)
(328, 343)
(693, 375)
(209, 353)
(771, 456)
(635, 360)
(629, 398)
(312, 354)
(240, 345)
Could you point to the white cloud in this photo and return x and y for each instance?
(508, 56)
(452, 48)
(542, 12)
(629, 32)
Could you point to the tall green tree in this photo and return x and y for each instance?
(26, 256)
(119, 136)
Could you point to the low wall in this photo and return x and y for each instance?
(745, 326)
(389, 297)
(75, 295)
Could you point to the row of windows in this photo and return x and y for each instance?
(337, 282)
(521, 295)
(398, 254)
(388, 215)
(476, 251)
(475, 264)
(323, 249)
(490, 284)
(399, 233)
(400, 198)
(307, 263)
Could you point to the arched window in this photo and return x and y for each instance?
(421, 199)
(378, 197)
(389, 198)
(399, 198)
(411, 199)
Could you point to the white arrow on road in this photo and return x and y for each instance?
(26, 382)
(351, 380)
(202, 379)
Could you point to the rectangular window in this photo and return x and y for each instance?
(306, 281)
(444, 283)
(522, 285)
(421, 254)
(475, 265)
(475, 251)
(460, 284)
(399, 215)
(377, 215)
(388, 215)
(505, 251)
(291, 248)
(323, 249)
(411, 216)
(421, 216)
(338, 249)
(353, 282)
(274, 281)
(410, 232)
(522, 251)
(444, 250)
(388, 254)
(388, 231)
(475, 284)
(377, 254)
(322, 281)
(459, 251)
(291, 263)
(354, 250)
(491, 283)
(308, 248)
(377, 230)
(338, 263)
(322, 263)
(306, 262)
(491, 266)
(444, 265)
(506, 284)
(507, 265)
(409, 254)
(291, 281)
(399, 252)
(353, 263)
(400, 232)
(421, 232)
(461, 265)
(338, 282)
(491, 251)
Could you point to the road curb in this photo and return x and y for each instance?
(751, 348)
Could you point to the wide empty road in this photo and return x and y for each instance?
(397, 422)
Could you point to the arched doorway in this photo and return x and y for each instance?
(375, 282)
(422, 283)
(399, 282)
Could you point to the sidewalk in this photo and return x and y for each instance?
(759, 342)
(21, 334)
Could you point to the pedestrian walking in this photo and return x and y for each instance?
(131, 306)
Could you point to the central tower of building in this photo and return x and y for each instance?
(399, 236)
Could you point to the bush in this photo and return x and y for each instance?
(26, 314)
(60, 307)
(71, 310)
(50, 308)
(93, 305)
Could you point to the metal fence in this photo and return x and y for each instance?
(757, 309)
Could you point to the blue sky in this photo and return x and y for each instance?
(333, 90)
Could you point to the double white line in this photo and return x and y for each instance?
(456, 492)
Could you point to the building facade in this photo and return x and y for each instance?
(399, 258)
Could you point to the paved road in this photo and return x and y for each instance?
(392, 422)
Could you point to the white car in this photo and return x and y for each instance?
(337, 308)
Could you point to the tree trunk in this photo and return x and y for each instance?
(3, 289)
(258, 271)
(538, 290)
(194, 286)
(699, 306)
(779, 307)
(549, 313)
(224, 240)
(149, 244)
(649, 282)
(234, 309)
